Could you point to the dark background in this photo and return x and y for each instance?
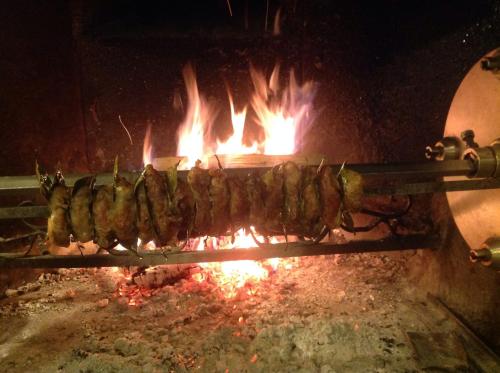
(387, 72)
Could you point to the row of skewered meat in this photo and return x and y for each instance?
(287, 199)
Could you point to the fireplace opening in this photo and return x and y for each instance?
(240, 186)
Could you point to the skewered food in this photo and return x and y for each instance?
(330, 198)
(165, 226)
(58, 199)
(293, 181)
(80, 209)
(310, 205)
(286, 199)
(219, 201)
(238, 202)
(101, 212)
(144, 220)
(123, 210)
(273, 200)
(199, 182)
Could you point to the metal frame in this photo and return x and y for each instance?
(266, 251)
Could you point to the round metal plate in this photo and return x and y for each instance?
(476, 106)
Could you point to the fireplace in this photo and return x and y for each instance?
(239, 186)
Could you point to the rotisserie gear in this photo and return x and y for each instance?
(80, 209)
(285, 199)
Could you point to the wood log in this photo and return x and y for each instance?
(242, 160)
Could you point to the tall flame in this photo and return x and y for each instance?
(234, 144)
(197, 123)
(285, 115)
(147, 147)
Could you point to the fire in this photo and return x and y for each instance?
(197, 123)
(285, 114)
(147, 148)
(234, 144)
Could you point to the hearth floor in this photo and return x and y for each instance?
(329, 314)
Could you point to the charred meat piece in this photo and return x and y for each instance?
(101, 212)
(184, 202)
(255, 192)
(58, 228)
(310, 204)
(144, 221)
(219, 201)
(199, 182)
(80, 209)
(330, 198)
(238, 203)
(352, 189)
(292, 182)
(273, 200)
(124, 212)
(165, 227)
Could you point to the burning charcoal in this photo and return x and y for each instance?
(239, 204)
(330, 198)
(219, 200)
(199, 181)
(310, 205)
(274, 197)
(293, 181)
(79, 211)
(101, 208)
(352, 187)
(165, 226)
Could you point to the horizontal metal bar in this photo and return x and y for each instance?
(435, 187)
(281, 250)
(25, 184)
(24, 212)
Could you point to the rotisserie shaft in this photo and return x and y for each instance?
(286, 199)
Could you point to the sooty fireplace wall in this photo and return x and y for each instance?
(386, 72)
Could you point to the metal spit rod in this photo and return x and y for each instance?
(389, 171)
(266, 251)
(10, 184)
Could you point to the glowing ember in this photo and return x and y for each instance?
(234, 276)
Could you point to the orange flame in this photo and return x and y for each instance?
(147, 148)
(196, 125)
